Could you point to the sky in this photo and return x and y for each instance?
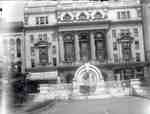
(12, 10)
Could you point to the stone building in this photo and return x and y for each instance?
(13, 43)
(146, 28)
(62, 36)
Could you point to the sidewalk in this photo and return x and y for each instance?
(32, 107)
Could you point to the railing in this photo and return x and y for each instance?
(70, 86)
(103, 90)
(97, 62)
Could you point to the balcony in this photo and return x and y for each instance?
(120, 63)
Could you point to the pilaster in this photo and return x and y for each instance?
(92, 44)
(77, 48)
(61, 47)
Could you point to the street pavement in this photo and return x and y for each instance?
(122, 105)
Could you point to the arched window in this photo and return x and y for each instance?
(18, 48)
(82, 16)
(98, 15)
(69, 51)
(84, 46)
(12, 42)
(66, 17)
(99, 46)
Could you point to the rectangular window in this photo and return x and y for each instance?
(128, 14)
(31, 38)
(135, 30)
(32, 51)
(115, 45)
(114, 35)
(137, 46)
(37, 20)
(138, 59)
(54, 61)
(46, 19)
(40, 36)
(139, 12)
(116, 58)
(32, 63)
(26, 20)
(54, 36)
(118, 15)
(45, 37)
(42, 20)
(123, 14)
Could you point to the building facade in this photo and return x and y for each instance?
(62, 36)
(13, 44)
(146, 25)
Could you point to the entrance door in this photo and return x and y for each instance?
(43, 55)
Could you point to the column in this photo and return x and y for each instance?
(61, 48)
(92, 44)
(109, 45)
(37, 62)
(77, 48)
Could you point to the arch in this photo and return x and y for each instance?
(68, 37)
(88, 67)
(99, 35)
(12, 42)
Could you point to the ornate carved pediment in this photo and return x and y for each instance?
(66, 17)
(79, 16)
(82, 16)
(98, 15)
(42, 43)
(126, 38)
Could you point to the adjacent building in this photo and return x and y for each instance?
(146, 28)
(13, 44)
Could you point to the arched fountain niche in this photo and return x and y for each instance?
(88, 80)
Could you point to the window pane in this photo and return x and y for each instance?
(114, 33)
(18, 47)
(42, 20)
(43, 55)
(114, 45)
(45, 36)
(31, 38)
(46, 19)
(37, 20)
(138, 57)
(135, 30)
(118, 15)
(69, 52)
(137, 45)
